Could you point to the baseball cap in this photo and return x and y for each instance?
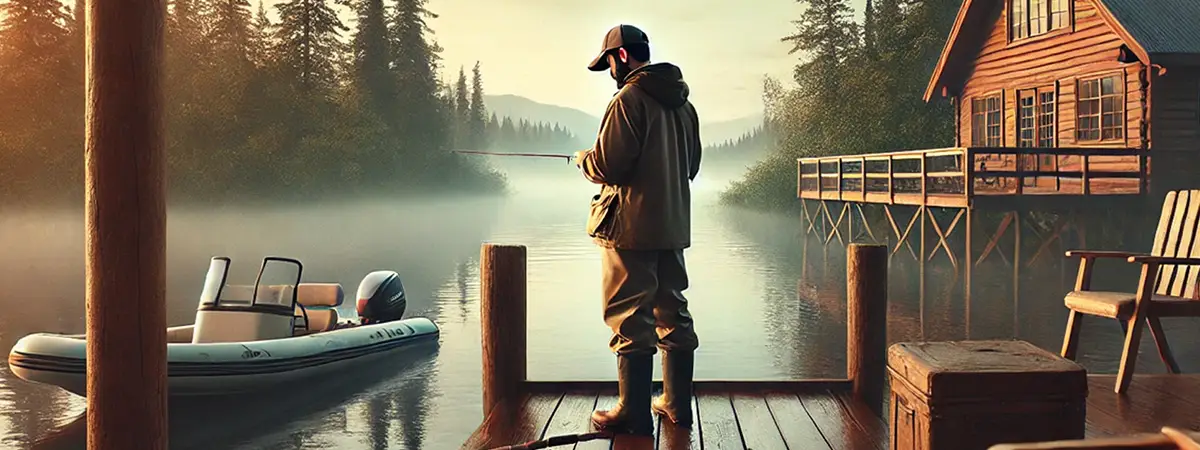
(617, 37)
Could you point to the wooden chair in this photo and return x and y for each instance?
(1167, 286)
(1168, 439)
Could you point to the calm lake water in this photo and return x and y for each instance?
(768, 305)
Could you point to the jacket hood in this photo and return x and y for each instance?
(663, 82)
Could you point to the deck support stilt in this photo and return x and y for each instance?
(969, 214)
(1016, 275)
(126, 224)
(924, 212)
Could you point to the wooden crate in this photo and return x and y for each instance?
(973, 394)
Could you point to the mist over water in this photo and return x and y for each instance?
(768, 305)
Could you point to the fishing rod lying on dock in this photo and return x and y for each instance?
(559, 440)
(535, 155)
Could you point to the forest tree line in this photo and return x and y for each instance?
(257, 104)
(475, 130)
(750, 146)
(857, 89)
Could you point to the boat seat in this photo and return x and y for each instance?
(319, 320)
(320, 294)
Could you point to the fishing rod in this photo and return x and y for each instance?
(556, 441)
(535, 155)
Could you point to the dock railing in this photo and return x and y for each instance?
(503, 306)
(952, 176)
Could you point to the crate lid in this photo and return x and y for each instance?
(991, 369)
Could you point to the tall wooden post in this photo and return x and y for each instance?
(866, 322)
(126, 227)
(502, 293)
(968, 265)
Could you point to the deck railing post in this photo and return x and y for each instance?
(126, 224)
(866, 321)
(502, 309)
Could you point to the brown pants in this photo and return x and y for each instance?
(644, 303)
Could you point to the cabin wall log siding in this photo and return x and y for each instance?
(1061, 56)
(1176, 108)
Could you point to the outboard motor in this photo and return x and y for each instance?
(381, 297)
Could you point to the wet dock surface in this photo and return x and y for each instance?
(729, 416)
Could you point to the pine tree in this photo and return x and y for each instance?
(31, 31)
(423, 120)
(826, 32)
(230, 34)
(478, 111)
(373, 80)
(462, 112)
(37, 80)
(308, 36)
(262, 42)
(869, 33)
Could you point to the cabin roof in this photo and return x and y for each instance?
(1157, 31)
(1161, 27)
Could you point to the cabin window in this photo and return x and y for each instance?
(1035, 128)
(1029, 18)
(986, 122)
(1060, 14)
(1035, 118)
(1100, 109)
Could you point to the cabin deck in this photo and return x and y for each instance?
(809, 416)
(975, 176)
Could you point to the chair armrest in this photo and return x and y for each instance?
(1100, 254)
(1164, 260)
(1184, 439)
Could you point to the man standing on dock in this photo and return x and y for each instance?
(645, 157)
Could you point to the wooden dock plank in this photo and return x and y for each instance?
(573, 415)
(718, 424)
(629, 442)
(1153, 401)
(674, 437)
(844, 426)
(758, 428)
(794, 422)
(519, 421)
(605, 399)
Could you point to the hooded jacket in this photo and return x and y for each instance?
(645, 157)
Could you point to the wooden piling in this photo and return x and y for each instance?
(126, 227)
(866, 322)
(502, 306)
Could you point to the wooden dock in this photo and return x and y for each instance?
(751, 415)
(729, 414)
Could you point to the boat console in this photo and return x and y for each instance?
(232, 313)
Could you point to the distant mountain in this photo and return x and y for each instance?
(585, 125)
(718, 132)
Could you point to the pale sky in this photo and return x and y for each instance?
(540, 49)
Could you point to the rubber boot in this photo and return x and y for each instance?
(632, 414)
(675, 403)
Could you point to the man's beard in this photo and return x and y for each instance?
(620, 72)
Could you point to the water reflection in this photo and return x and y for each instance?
(769, 304)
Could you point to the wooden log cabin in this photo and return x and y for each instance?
(1063, 106)
(1065, 98)
(1076, 73)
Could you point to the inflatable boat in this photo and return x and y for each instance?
(249, 337)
